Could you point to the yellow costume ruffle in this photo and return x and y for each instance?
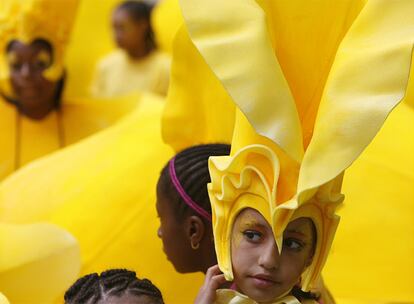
(37, 262)
(228, 296)
(102, 190)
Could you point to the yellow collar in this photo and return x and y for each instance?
(228, 296)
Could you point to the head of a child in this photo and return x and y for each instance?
(34, 95)
(131, 22)
(260, 272)
(115, 286)
(184, 209)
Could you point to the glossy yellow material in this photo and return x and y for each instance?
(117, 74)
(27, 139)
(102, 190)
(37, 262)
(321, 78)
(198, 109)
(37, 19)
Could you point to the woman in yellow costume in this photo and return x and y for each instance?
(137, 65)
(36, 119)
(327, 98)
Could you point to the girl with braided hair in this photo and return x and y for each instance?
(113, 286)
(184, 210)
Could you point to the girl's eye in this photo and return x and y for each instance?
(252, 236)
(293, 244)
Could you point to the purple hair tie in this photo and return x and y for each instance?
(187, 199)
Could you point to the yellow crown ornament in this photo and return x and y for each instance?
(28, 20)
(313, 84)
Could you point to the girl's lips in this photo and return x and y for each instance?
(263, 281)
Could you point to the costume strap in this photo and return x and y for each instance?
(187, 199)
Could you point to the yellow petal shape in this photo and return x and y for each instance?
(237, 48)
(38, 262)
(3, 299)
(102, 190)
(367, 80)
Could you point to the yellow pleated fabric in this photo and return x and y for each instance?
(102, 190)
(314, 82)
(24, 140)
(37, 262)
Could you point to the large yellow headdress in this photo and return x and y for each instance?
(27, 20)
(313, 83)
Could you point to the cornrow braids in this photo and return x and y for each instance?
(92, 288)
(191, 168)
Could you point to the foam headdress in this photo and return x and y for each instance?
(29, 20)
(313, 84)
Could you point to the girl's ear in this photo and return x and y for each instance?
(195, 230)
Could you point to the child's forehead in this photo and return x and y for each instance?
(249, 216)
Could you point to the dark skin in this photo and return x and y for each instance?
(34, 94)
(177, 236)
(130, 35)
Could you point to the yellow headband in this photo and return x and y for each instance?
(313, 84)
(29, 20)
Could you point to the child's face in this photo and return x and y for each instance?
(259, 271)
(129, 34)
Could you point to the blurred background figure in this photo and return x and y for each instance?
(36, 118)
(136, 65)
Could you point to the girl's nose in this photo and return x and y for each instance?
(269, 257)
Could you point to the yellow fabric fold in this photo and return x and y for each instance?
(198, 109)
(102, 190)
(247, 69)
(367, 80)
(38, 262)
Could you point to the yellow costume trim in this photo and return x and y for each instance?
(37, 19)
(228, 296)
(38, 262)
(359, 77)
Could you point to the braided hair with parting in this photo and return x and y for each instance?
(189, 171)
(93, 288)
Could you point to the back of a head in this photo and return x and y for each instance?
(94, 288)
(191, 170)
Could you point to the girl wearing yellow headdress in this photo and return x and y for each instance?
(36, 119)
(306, 111)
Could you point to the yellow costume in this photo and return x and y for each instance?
(37, 262)
(102, 191)
(117, 74)
(310, 113)
(23, 139)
